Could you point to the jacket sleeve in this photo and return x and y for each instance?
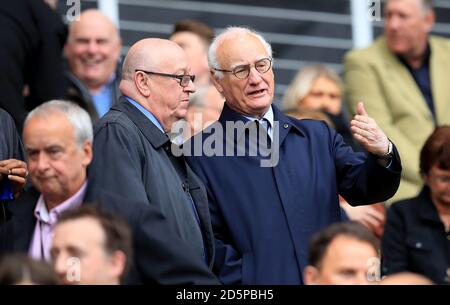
(361, 179)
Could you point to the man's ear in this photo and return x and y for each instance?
(430, 19)
(88, 154)
(141, 82)
(216, 82)
(118, 263)
(310, 275)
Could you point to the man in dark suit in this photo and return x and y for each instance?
(268, 196)
(31, 41)
(133, 155)
(58, 143)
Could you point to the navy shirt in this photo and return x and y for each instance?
(421, 76)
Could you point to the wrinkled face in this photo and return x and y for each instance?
(250, 96)
(79, 256)
(57, 166)
(347, 261)
(92, 50)
(406, 26)
(169, 100)
(196, 51)
(439, 182)
(325, 95)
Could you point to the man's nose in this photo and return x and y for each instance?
(254, 76)
(42, 162)
(190, 87)
(92, 47)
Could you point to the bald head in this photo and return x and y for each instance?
(406, 278)
(93, 49)
(93, 18)
(163, 95)
(150, 54)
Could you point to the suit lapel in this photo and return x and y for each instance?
(399, 75)
(24, 220)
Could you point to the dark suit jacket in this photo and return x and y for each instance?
(149, 227)
(133, 158)
(263, 217)
(10, 148)
(414, 239)
(31, 40)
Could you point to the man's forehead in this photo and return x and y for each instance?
(245, 48)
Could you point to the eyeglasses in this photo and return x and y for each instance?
(441, 179)
(243, 71)
(183, 78)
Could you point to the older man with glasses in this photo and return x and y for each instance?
(133, 157)
(264, 213)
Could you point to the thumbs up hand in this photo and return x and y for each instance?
(366, 131)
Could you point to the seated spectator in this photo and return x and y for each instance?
(206, 104)
(20, 269)
(91, 247)
(92, 51)
(318, 88)
(343, 253)
(204, 108)
(406, 278)
(417, 230)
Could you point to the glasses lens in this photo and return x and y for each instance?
(241, 72)
(185, 80)
(263, 65)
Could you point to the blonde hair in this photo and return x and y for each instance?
(304, 81)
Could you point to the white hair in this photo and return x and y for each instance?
(77, 116)
(230, 33)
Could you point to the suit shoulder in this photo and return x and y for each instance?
(440, 44)
(113, 118)
(374, 51)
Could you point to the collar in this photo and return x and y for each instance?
(267, 116)
(425, 62)
(146, 112)
(428, 210)
(151, 132)
(50, 217)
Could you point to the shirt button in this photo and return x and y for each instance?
(286, 126)
(419, 245)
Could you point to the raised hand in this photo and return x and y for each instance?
(367, 132)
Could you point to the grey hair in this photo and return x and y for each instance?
(77, 116)
(304, 81)
(427, 5)
(229, 33)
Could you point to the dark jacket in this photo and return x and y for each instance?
(263, 217)
(32, 36)
(132, 157)
(151, 235)
(415, 240)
